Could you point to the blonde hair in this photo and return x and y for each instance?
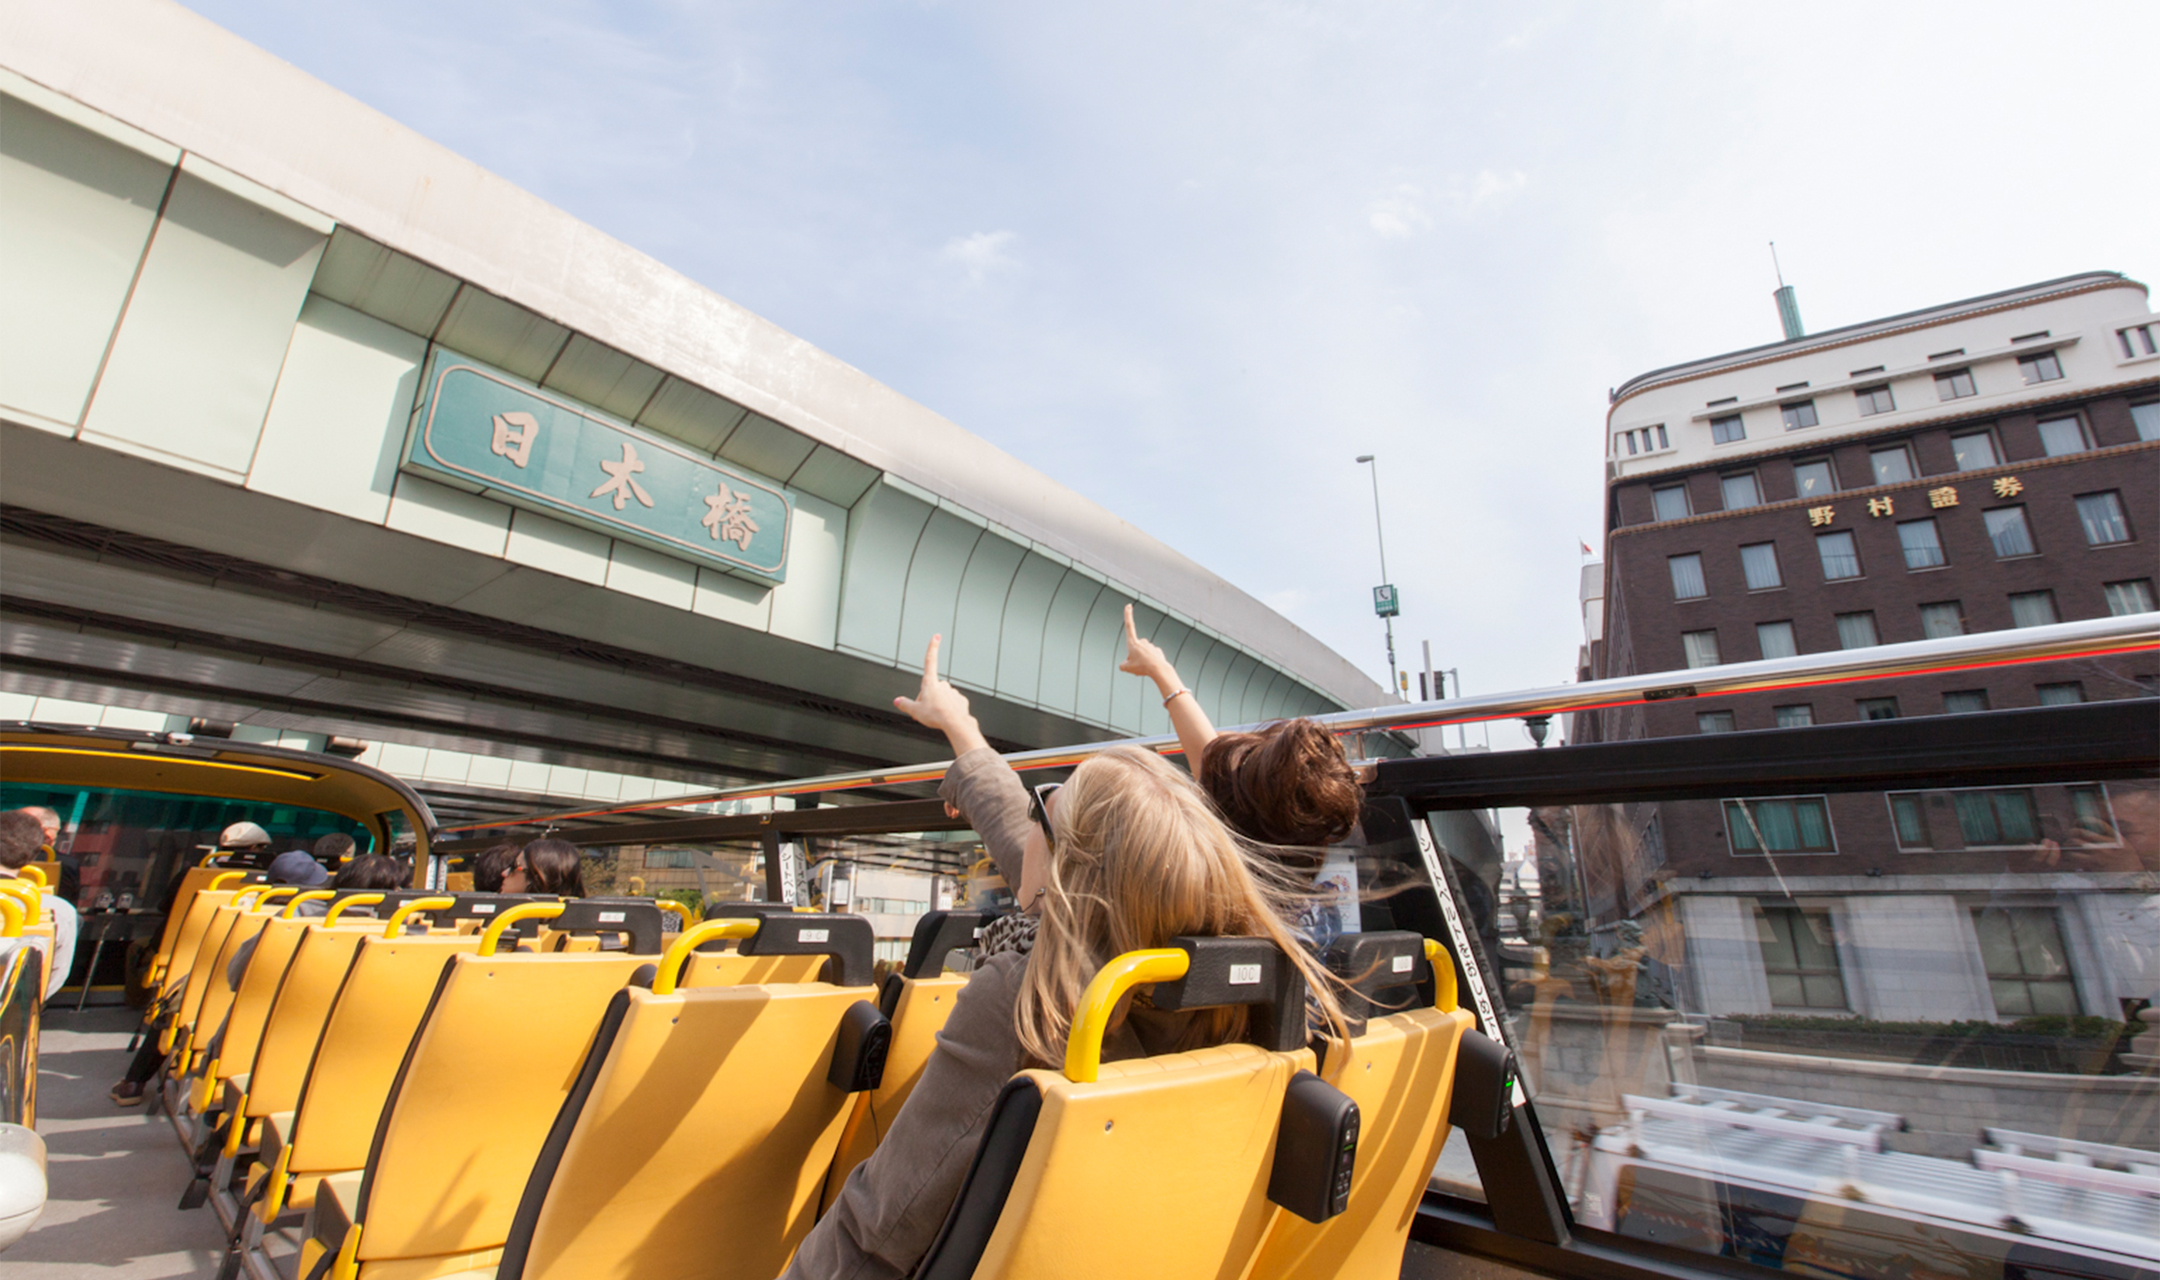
(1141, 858)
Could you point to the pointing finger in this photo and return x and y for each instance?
(929, 662)
(1132, 636)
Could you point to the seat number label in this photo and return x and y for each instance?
(1400, 964)
(812, 935)
(1244, 975)
(483, 908)
(611, 917)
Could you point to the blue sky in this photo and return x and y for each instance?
(1190, 259)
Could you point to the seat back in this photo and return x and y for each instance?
(275, 948)
(209, 991)
(180, 960)
(476, 1097)
(193, 882)
(364, 1039)
(1399, 1068)
(918, 1000)
(697, 1137)
(1185, 1140)
(293, 1025)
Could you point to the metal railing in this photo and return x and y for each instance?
(2093, 638)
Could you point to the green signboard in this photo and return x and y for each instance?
(481, 427)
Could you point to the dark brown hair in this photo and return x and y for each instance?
(21, 836)
(1288, 784)
(491, 864)
(551, 866)
(373, 871)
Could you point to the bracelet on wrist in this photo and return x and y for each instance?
(1179, 693)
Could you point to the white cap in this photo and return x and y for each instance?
(242, 835)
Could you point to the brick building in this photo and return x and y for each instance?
(1977, 466)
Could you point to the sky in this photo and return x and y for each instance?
(1190, 259)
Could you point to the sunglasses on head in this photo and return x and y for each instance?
(1039, 807)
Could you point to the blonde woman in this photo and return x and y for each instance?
(1125, 856)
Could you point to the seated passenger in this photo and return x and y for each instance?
(373, 871)
(334, 850)
(546, 866)
(1125, 856)
(21, 838)
(70, 886)
(491, 864)
(295, 868)
(1286, 787)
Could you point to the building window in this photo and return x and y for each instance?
(1874, 400)
(1800, 959)
(1687, 579)
(1908, 813)
(2135, 596)
(1840, 558)
(2066, 693)
(1856, 630)
(1701, 648)
(1740, 491)
(2102, 516)
(1942, 619)
(2059, 436)
(2006, 528)
(2146, 417)
(2001, 818)
(1798, 415)
(1776, 639)
(1670, 502)
(1798, 715)
(1876, 708)
(2033, 609)
(2137, 340)
(2028, 967)
(2040, 366)
(1923, 546)
(1956, 384)
(1643, 440)
(1964, 702)
(1892, 465)
(1797, 824)
(1814, 479)
(1727, 429)
(1974, 451)
(1714, 722)
(1758, 560)
(2091, 820)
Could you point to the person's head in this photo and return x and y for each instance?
(372, 871)
(490, 864)
(546, 866)
(20, 839)
(295, 867)
(332, 849)
(48, 821)
(1136, 857)
(1287, 785)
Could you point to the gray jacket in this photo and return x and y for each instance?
(893, 1204)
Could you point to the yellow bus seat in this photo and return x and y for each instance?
(194, 882)
(1399, 1069)
(918, 999)
(705, 1117)
(191, 971)
(1072, 1159)
(174, 969)
(213, 980)
(376, 1011)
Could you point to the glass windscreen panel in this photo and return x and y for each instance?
(126, 848)
(1891, 1032)
(890, 879)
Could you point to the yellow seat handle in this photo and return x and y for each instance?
(218, 881)
(32, 871)
(264, 899)
(28, 893)
(697, 935)
(674, 908)
(357, 900)
(406, 909)
(1445, 997)
(491, 937)
(313, 895)
(12, 916)
(246, 897)
(1091, 1021)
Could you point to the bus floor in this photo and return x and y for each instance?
(114, 1176)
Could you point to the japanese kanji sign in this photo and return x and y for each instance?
(485, 429)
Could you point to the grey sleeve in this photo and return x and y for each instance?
(992, 798)
(893, 1204)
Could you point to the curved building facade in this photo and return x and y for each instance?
(314, 426)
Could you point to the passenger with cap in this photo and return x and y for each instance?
(20, 840)
(293, 867)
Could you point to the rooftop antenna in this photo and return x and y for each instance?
(1788, 305)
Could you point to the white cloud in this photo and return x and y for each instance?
(1400, 213)
(983, 254)
(1406, 209)
(1491, 187)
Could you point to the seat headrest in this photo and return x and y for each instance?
(847, 941)
(1384, 973)
(1241, 971)
(939, 934)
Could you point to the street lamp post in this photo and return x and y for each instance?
(1385, 601)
